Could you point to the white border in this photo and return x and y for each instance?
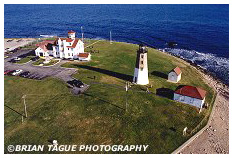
(110, 2)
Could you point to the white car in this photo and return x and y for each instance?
(17, 72)
(17, 58)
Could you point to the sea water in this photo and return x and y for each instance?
(201, 32)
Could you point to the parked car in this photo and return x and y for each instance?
(17, 72)
(24, 74)
(78, 83)
(8, 72)
(17, 58)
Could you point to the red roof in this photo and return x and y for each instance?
(74, 44)
(45, 42)
(43, 45)
(69, 40)
(71, 31)
(84, 55)
(191, 91)
(177, 70)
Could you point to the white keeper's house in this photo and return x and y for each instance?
(64, 48)
(190, 95)
(175, 75)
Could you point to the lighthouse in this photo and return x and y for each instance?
(71, 34)
(141, 68)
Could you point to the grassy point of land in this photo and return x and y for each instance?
(98, 116)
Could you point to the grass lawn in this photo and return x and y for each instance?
(99, 116)
(41, 60)
(24, 60)
(38, 62)
(52, 62)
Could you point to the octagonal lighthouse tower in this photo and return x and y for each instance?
(141, 68)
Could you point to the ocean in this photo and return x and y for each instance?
(199, 33)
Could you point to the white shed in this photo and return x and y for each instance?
(190, 95)
(174, 75)
(84, 56)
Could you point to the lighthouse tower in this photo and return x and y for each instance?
(71, 34)
(141, 68)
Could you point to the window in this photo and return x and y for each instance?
(68, 54)
(72, 49)
(72, 54)
(68, 48)
(141, 68)
(182, 98)
(70, 43)
(142, 56)
(141, 62)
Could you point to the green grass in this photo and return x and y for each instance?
(99, 116)
(38, 62)
(52, 62)
(24, 60)
(41, 60)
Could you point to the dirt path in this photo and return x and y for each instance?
(215, 139)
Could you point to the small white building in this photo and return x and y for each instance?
(190, 95)
(68, 48)
(84, 56)
(175, 75)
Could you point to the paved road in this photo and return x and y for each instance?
(52, 71)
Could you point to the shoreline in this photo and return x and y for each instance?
(209, 79)
(210, 75)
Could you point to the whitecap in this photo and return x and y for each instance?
(219, 66)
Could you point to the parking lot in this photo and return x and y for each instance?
(41, 72)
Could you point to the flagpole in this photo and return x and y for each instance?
(82, 32)
(110, 37)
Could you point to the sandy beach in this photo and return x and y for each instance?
(13, 43)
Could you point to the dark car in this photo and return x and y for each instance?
(76, 83)
(25, 74)
(35, 58)
(12, 61)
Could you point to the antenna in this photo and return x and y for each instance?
(110, 37)
(82, 32)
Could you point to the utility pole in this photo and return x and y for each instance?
(110, 37)
(82, 32)
(25, 107)
(127, 86)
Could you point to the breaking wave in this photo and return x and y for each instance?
(219, 66)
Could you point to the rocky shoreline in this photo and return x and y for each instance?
(215, 139)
